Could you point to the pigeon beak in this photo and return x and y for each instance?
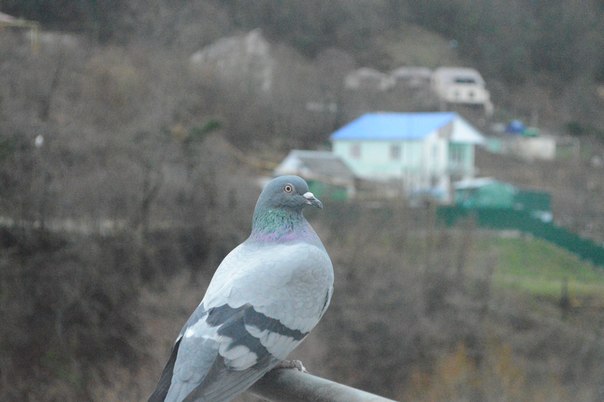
(312, 200)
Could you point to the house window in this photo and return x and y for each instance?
(355, 151)
(465, 80)
(395, 152)
(456, 154)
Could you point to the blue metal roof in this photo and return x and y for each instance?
(393, 126)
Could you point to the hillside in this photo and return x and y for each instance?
(542, 60)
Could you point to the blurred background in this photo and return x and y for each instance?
(135, 136)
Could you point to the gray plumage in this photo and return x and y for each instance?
(264, 299)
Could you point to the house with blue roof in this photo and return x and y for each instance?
(423, 152)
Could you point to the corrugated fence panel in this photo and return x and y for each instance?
(509, 219)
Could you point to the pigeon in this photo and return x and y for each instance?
(265, 297)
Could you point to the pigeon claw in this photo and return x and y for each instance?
(291, 364)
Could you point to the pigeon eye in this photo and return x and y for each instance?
(288, 188)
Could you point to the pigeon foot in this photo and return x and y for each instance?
(291, 364)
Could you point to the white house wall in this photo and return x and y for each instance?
(435, 155)
(446, 87)
(374, 161)
(422, 164)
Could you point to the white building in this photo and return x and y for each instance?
(368, 78)
(423, 152)
(461, 85)
(412, 77)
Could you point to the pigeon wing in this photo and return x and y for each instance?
(291, 283)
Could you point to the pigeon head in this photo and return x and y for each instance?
(287, 192)
(278, 212)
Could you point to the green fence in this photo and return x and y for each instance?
(506, 219)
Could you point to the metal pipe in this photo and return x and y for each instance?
(292, 385)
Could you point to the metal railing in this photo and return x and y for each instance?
(292, 385)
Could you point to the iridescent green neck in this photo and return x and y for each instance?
(276, 224)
